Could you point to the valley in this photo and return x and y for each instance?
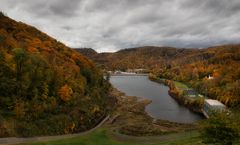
(190, 66)
(53, 94)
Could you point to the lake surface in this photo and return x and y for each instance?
(163, 106)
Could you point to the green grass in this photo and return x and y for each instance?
(181, 85)
(103, 137)
(99, 137)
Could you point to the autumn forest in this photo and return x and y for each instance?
(42, 81)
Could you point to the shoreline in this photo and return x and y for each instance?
(130, 118)
(176, 95)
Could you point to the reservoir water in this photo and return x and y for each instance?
(163, 106)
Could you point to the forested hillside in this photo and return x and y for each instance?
(191, 66)
(147, 57)
(46, 88)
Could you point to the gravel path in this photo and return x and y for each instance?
(16, 140)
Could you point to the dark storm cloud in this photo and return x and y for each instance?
(108, 25)
(215, 7)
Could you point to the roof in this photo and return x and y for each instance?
(214, 102)
(190, 92)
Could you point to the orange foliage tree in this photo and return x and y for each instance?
(65, 93)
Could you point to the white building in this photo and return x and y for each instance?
(210, 77)
(212, 105)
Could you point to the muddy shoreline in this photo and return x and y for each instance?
(129, 117)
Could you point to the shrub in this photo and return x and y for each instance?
(220, 129)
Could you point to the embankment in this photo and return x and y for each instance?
(194, 105)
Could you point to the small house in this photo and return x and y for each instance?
(210, 77)
(211, 105)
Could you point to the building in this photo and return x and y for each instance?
(211, 105)
(210, 77)
(191, 93)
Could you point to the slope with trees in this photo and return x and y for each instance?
(46, 88)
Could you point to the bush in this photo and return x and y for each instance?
(220, 129)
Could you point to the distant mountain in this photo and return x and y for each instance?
(148, 57)
(191, 66)
(88, 52)
(99, 58)
(46, 88)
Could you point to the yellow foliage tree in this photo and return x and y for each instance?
(95, 109)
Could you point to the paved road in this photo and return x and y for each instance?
(16, 140)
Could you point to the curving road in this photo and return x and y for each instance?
(16, 140)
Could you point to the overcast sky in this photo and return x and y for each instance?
(109, 25)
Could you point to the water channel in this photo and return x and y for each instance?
(163, 106)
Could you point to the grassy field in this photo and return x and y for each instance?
(104, 137)
(181, 85)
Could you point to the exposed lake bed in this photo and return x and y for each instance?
(129, 117)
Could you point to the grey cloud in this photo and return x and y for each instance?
(108, 25)
(46, 8)
(67, 28)
(215, 7)
(122, 5)
(65, 7)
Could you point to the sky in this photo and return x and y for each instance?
(110, 25)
